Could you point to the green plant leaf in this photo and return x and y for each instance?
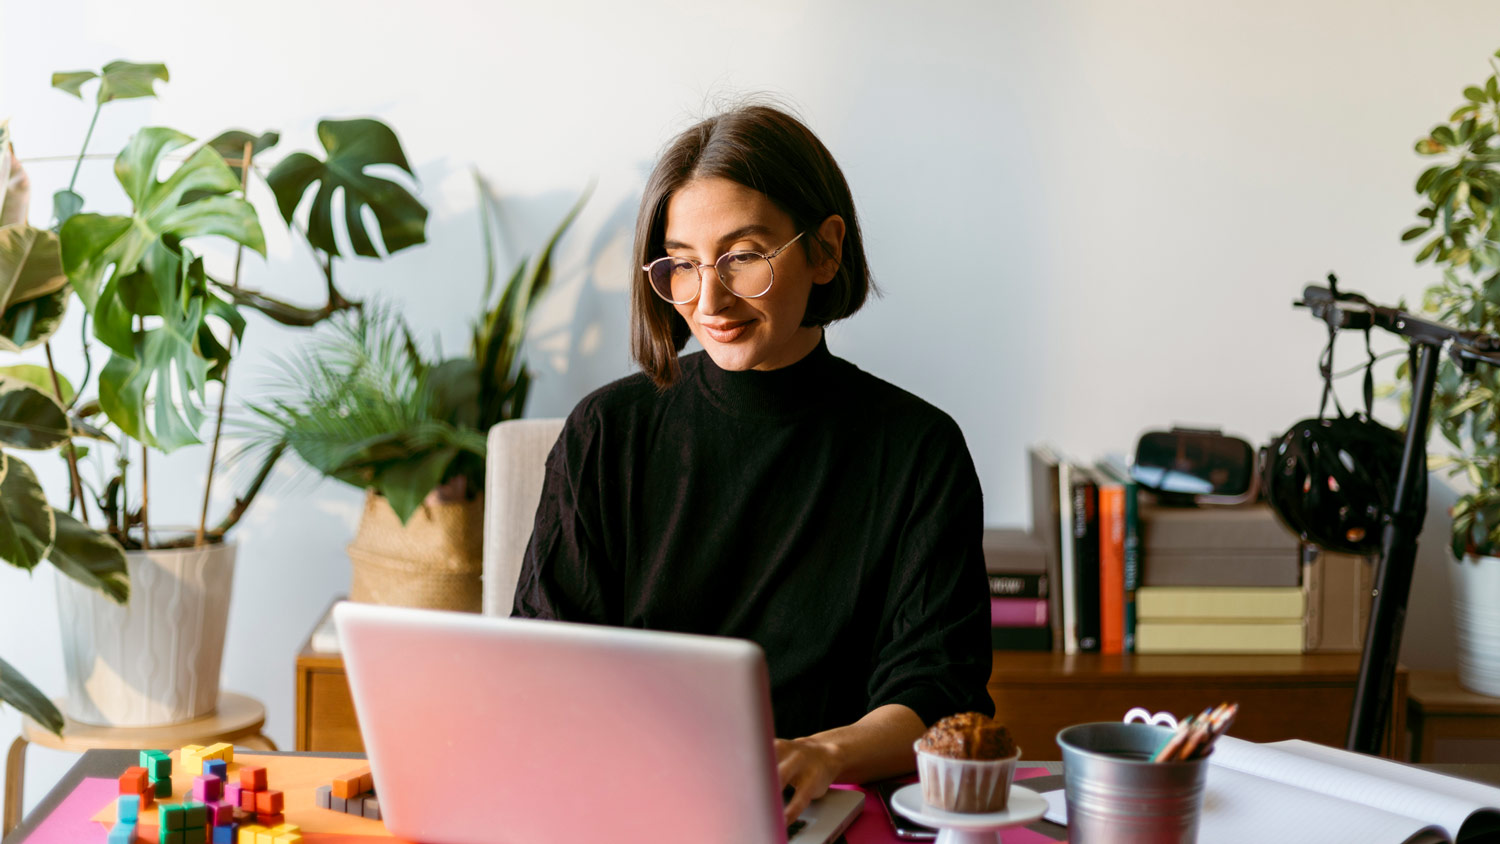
(39, 377)
(123, 80)
(65, 204)
(93, 244)
(352, 146)
(91, 558)
(27, 526)
(1428, 146)
(1415, 232)
(405, 484)
(30, 324)
(231, 146)
(29, 417)
(27, 699)
(72, 81)
(30, 265)
(1427, 250)
(1475, 93)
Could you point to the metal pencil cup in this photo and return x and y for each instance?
(1115, 792)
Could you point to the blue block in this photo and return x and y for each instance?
(216, 767)
(128, 807)
(228, 834)
(122, 833)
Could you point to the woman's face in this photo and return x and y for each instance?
(711, 216)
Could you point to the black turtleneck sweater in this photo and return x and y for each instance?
(826, 515)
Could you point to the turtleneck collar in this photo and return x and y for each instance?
(785, 392)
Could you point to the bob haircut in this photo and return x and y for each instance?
(766, 150)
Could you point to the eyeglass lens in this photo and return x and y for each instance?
(745, 274)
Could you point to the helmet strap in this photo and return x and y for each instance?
(1325, 367)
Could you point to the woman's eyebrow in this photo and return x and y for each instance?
(742, 231)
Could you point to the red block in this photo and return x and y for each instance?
(247, 799)
(252, 778)
(220, 813)
(276, 819)
(268, 802)
(134, 781)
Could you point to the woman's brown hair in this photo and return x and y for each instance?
(767, 150)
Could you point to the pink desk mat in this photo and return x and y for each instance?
(872, 826)
(72, 821)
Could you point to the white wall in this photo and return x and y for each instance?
(1088, 218)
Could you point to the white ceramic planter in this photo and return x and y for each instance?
(1476, 621)
(154, 661)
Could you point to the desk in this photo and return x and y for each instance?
(237, 720)
(1439, 708)
(110, 763)
(1306, 696)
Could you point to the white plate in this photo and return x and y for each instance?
(1022, 807)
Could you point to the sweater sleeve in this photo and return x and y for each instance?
(565, 574)
(934, 651)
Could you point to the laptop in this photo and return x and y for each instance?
(484, 730)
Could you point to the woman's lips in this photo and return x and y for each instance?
(726, 332)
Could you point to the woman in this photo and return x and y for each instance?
(763, 488)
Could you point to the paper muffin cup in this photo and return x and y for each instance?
(966, 785)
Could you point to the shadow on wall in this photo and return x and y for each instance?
(1428, 641)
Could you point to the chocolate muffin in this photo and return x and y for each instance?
(966, 763)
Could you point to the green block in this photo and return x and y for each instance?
(162, 787)
(195, 835)
(196, 815)
(169, 836)
(158, 765)
(171, 816)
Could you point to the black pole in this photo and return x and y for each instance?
(1398, 557)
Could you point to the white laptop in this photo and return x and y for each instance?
(485, 730)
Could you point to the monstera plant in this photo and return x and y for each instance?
(161, 320)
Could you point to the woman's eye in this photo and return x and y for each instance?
(742, 258)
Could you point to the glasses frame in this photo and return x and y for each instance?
(717, 276)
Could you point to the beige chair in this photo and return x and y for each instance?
(513, 478)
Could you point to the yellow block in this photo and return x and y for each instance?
(192, 760)
(218, 751)
(248, 833)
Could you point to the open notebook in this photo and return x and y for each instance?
(1299, 791)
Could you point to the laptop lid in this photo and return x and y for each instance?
(485, 730)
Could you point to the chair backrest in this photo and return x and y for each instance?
(513, 477)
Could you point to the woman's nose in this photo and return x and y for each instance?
(712, 295)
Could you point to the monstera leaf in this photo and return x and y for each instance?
(231, 146)
(120, 80)
(155, 392)
(352, 146)
(96, 246)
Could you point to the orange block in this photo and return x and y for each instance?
(271, 820)
(352, 784)
(268, 803)
(366, 782)
(134, 781)
(252, 778)
(247, 799)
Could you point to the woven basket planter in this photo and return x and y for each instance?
(434, 561)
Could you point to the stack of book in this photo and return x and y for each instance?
(1016, 563)
(1130, 575)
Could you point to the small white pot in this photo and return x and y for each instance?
(1476, 621)
(154, 661)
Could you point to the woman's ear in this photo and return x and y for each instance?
(831, 234)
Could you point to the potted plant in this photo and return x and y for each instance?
(365, 407)
(168, 326)
(1460, 226)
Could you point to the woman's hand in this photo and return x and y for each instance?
(809, 766)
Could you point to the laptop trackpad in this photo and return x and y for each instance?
(829, 816)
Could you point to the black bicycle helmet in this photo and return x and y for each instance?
(1333, 481)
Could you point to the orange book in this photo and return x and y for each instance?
(1112, 568)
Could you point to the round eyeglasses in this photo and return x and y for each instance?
(746, 274)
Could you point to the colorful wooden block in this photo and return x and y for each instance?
(171, 816)
(346, 786)
(227, 834)
(232, 793)
(247, 799)
(134, 781)
(128, 807)
(287, 833)
(169, 836)
(372, 806)
(162, 787)
(216, 768)
(263, 835)
(191, 758)
(122, 833)
(269, 802)
(270, 820)
(220, 813)
(194, 814)
(221, 750)
(208, 788)
(338, 804)
(195, 835)
(248, 833)
(252, 778)
(156, 763)
(366, 781)
(148, 797)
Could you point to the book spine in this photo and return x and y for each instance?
(1163, 603)
(1021, 638)
(1111, 568)
(1065, 559)
(1019, 585)
(1132, 559)
(1157, 637)
(1018, 612)
(1086, 561)
(1045, 526)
